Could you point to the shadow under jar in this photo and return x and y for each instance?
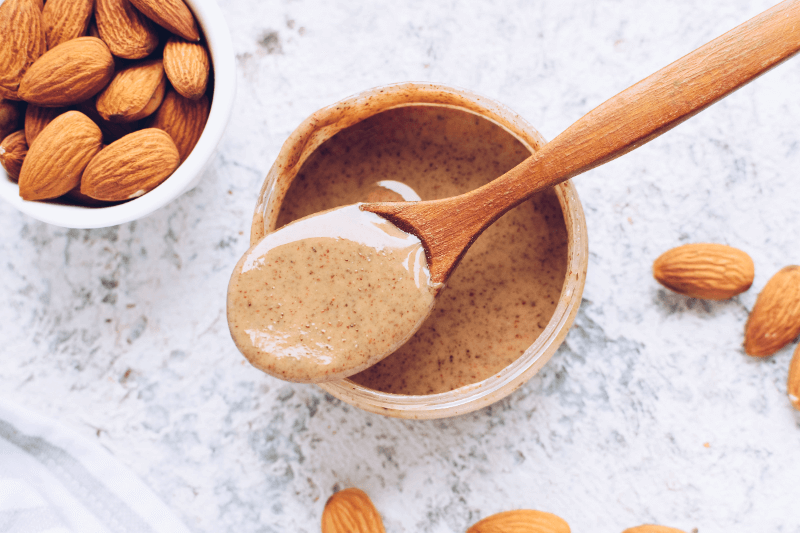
(508, 305)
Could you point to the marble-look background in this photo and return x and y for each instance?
(650, 411)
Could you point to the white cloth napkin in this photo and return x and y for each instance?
(53, 480)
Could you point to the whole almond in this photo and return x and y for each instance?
(134, 93)
(351, 511)
(12, 153)
(183, 119)
(649, 528)
(65, 19)
(36, 118)
(58, 156)
(131, 166)
(21, 42)
(10, 114)
(521, 521)
(173, 15)
(187, 66)
(68, 74)
(706, 271)
(775, 319)
(793, 383)
(126, 31)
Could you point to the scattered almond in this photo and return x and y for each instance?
(172, 15)
(521, 521)
(126, 31)
(793, 383)
(58, 156)
(183, 119)
(36, 118)
(9, 117)
(649, 528)
(187, 66)
(21, 42)
(131, 166)
(775, 319)
(68, 74)
(12, 153)
(65, 19)
(351, 511)
(706, 271)
(134, 93)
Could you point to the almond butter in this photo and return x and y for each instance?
(351, 511)
(649, 528)
(521, 521)
(134, 93)
(126, 31)
(187, 66)
(173, 15)
(68, 74)
(12, 153)
(58, 156)
(793, 383)
(131, 166)
(183, 119)
(706, 271)
(36, 118)
(9, 117)
(21, 42)
(65, 19)
(775, 319)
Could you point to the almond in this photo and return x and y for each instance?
(134, 93)
(183, 119)
(706, 271)
(172, 15)
(21, 42)
(521, 521)
(131, 166)
(793, 383)
(125, 30)
(351, 511)
(63, 20)
(68, 74)
(775, 319)
(649, 528)
(9, 117)
(112, 131)
(58, 156)
(36, 118)
(187, 66)
(12, 153)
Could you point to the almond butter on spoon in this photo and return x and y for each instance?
(289, 342)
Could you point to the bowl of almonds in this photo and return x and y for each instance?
(109, 109)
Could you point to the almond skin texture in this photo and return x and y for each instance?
(65, 19)
(125, 30)
(793, 383)
(131, 166)
(774, 321)
(37, 118)
(351, 511)
(68, 74)
(58, 156)
(134, 93)
(12, 153)
(173, 15)
(706, 271)
(183, 119)
(21, 42)
(649, 528)
(187, 66)
(521, 521)
(10, 115)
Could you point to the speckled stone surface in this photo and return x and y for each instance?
(650, 411)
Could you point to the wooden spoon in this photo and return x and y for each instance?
(635, 116)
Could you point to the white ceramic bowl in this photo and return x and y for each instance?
(210, 18)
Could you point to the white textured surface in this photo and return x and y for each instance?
(121, 332)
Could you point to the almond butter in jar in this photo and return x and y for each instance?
(510, 302)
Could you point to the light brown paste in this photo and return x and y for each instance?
(502, 295)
